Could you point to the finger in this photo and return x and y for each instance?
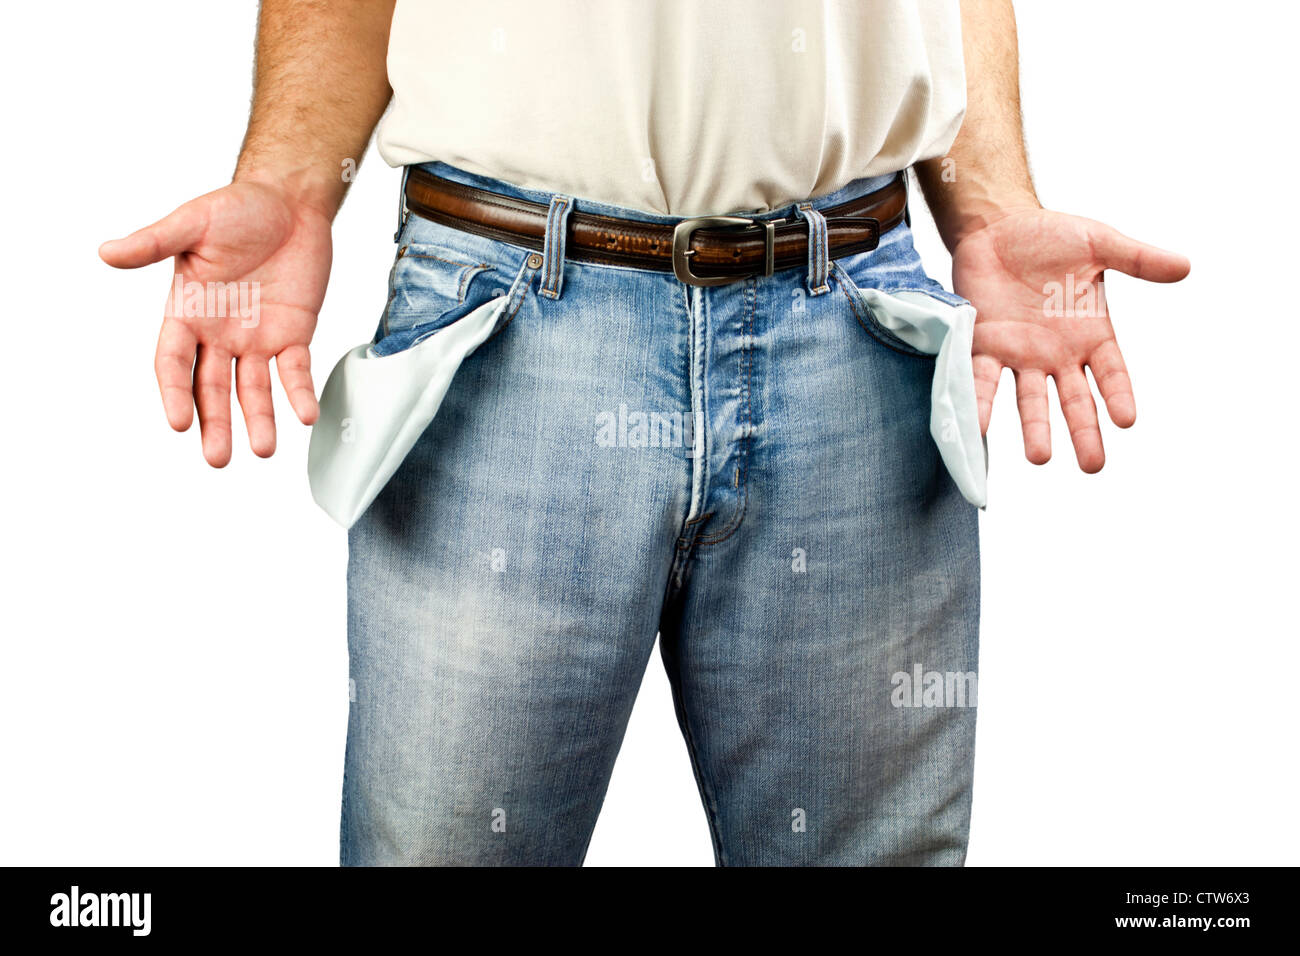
(212, 396)
(1031, 399)
(294, 366)
(253, 388)
(170, 236)
(173, 364)
(1117, 251)
(987, 372)
(1081, 418)
(1111, 376)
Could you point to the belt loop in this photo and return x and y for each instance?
(402, 211)
(557, 220)
(818, 249)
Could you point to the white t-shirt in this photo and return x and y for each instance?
(677, 107)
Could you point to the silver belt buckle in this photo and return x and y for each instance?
(682, 250)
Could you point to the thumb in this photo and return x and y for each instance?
(1117, 251)
(170, 236)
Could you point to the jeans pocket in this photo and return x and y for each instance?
(931, 323)
(881, 324)
(430, 287)
(380, 397)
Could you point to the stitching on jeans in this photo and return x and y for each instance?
(902, 348)
(707, 796)
(466, 279)
(705, 787)
(816, 252)
(560, 225)
(450, 262)
(816, 232)
(461, 292)
(554, 257)
(747, 328)
(524, 280)
(703, 417)
(695, 521)
(462, 287)
(823, 243)
(819, 264)
(548, 249)
(553, 242)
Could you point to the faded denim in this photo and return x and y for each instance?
(746, 471)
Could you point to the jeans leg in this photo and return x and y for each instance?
(847, 557)
(504, 588)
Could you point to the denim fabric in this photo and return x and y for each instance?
(746, 471)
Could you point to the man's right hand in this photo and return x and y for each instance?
(249, 232)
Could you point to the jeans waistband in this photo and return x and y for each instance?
(854, 189)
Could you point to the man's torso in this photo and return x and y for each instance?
(678, 107)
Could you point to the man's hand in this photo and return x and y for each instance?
(320, 85)
(278, 250)
(1035, 279)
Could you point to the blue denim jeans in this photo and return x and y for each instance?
(746, 471)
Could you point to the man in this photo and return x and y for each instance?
(801, 534)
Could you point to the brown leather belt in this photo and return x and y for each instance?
(705, 250)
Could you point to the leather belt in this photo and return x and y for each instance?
(703, 250)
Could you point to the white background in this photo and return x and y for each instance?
(174, 668)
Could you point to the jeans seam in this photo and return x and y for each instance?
(707, 796)
(403, 254)
(519, 294)
(554, 255)
(699, 416)
(869, 325)
(747, 330)
(706, 789)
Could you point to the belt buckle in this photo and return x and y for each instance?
(682, 250)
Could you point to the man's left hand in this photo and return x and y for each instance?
(1035, 279)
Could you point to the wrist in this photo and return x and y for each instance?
(962, 220)
(304, 186)
(967, 198)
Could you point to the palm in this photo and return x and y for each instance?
(267, 262)
(253, 237)
(1035, 278)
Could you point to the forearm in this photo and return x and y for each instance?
(320, 86)
(985, 175)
